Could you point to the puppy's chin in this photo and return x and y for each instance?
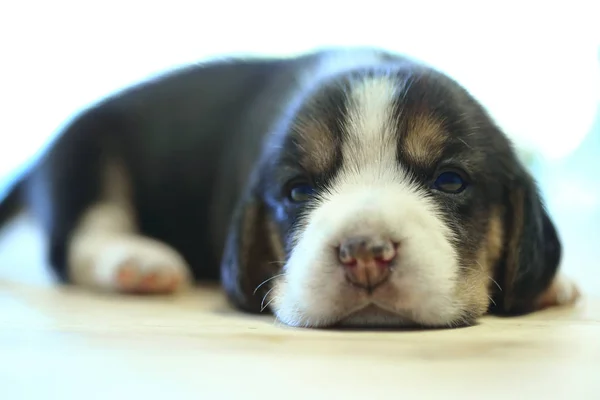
(373, 316)
(425, 286)
(353, 308)
(376, 317)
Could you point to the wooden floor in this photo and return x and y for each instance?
(62, 343)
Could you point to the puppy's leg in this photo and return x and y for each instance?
(562, 292)
(81, 194)
(106, 252)
(125, 262)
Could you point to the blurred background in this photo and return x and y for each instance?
(534, 65)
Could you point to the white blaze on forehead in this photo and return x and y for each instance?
(369, 125)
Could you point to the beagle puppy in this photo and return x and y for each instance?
(340, 187)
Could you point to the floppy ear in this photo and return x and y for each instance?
(252, 254)
(532, 250)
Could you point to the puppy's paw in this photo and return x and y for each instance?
(562, 292)
(137, 265)
(144, 276)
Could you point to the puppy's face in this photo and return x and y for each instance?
(392, 199)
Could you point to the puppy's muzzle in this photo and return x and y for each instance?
(367, 260)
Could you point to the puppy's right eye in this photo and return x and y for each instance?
(300, 192)
(450, 182)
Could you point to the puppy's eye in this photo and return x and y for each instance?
(450, 182)
(300, 192)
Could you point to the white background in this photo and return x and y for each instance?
(533, 64)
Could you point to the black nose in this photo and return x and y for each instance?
(367, 260)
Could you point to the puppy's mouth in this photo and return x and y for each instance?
(373, 316)
(386, 306)
(374, 308)
(366, 290)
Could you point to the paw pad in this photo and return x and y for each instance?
(136, 278)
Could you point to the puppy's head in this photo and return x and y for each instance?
(390, 198)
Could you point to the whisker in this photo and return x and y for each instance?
(489, 276)
(264, 298)
(466, 144)
(492, 300)
(480, 266)
(497, 284)
(265, 281)
(267, 305)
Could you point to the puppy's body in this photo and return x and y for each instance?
(178, 176)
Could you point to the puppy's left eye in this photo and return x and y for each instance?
(450, 182)
(300, 192)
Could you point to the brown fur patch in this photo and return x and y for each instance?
(495, 238)
(252, 256)
(316, 143)
(425, 138)
(275, 239)
(476, 283)
(261, 247)
(513, 246)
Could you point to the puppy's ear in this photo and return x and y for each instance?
(532, 250)
(252, 254)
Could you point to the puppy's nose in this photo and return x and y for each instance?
(367, 260)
